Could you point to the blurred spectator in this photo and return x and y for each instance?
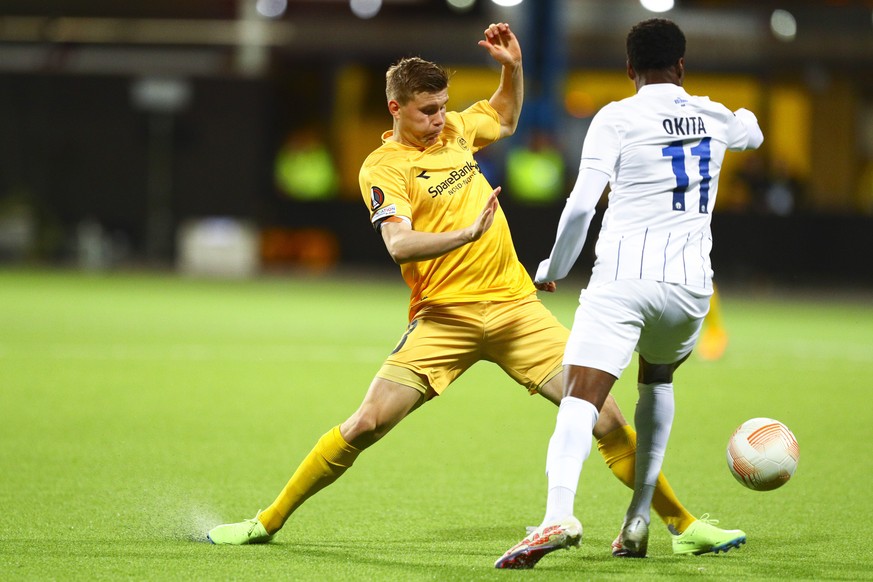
(783, 192)
(17, 227)
(753, 177)
(536, 173)
(770, 191)
(305, 169)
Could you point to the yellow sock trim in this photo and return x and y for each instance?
(329, 458)
(619, 451)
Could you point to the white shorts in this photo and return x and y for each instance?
(661, 321)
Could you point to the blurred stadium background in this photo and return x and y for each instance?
(224, 137)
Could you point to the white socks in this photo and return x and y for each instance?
(653, 419)
(569, 446)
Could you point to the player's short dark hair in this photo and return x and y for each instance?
(413, 75)
(655, 44)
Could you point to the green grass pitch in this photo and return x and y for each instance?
(138, 410)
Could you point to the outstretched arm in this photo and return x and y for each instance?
(503, 46)
(406, 245)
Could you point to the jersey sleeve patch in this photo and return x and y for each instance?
(377, 197)
(384, 213)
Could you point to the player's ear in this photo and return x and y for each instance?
(680, 68)
(631, 74)
(393, 107)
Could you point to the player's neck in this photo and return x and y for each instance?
(642, 82)
(407, 140)
(674, 75)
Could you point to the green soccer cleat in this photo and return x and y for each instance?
(703, 537)
(541, 541)
(250, 531)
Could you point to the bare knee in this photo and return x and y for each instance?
(378, 414)
(553, 390)
(385, 404)
(610, 418)
(364, 427)
(588, 384)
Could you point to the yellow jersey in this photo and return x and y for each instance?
(442, 189)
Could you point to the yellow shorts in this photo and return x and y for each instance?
(443, 341)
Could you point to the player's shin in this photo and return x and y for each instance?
(569, 447)
(327, 461)
(618, 448)
(654, 419)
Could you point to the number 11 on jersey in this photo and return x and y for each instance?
(676, 152)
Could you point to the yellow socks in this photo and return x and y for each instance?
(618, 449)
(332, 455)
(329, 459)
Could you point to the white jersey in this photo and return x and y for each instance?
(662, 150)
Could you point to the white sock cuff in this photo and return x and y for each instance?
(578, 406)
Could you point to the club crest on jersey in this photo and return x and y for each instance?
(377, 197)
(463, 143)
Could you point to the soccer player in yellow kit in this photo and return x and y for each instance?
(471, 298)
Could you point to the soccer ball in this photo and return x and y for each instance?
(762, 454)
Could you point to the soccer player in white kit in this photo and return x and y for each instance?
(661, 152)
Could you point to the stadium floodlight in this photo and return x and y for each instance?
(271, 8)
(365, 8)
(657, 5)
(507, 3)
(461, 5)
(783, 25)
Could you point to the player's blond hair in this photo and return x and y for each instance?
(412, 75)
